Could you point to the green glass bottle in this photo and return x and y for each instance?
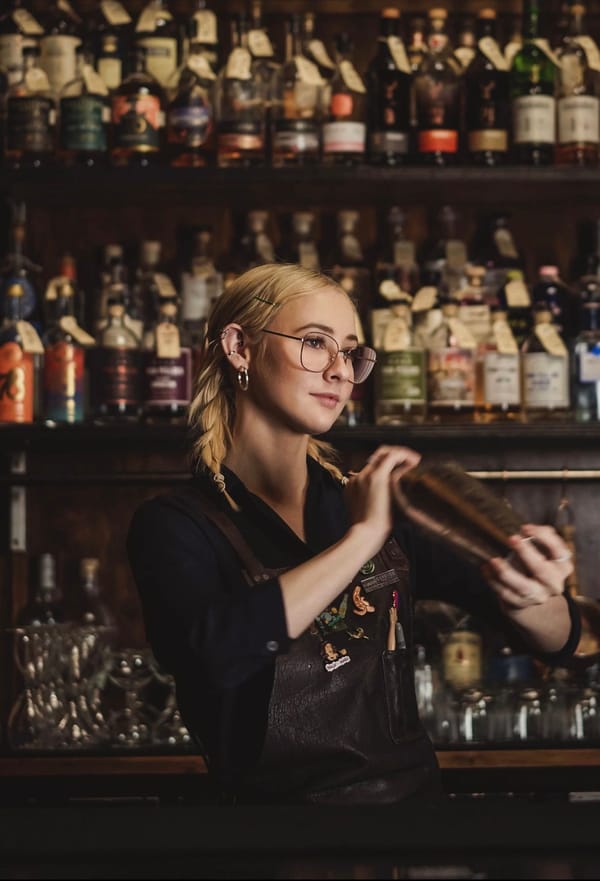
(533, 76)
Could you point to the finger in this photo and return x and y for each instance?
(551, 572)
(520, 584)
(387, 459)
(550, 540)
(517, 601)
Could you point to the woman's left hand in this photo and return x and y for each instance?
(543, 562)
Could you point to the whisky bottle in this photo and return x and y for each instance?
(514, 297)
(494, 248)
(437, 86)
(251, 245)
(109, 62)
(314, 48)
(18, 30)
(201, 286)
(46, 604)
(466, 44)
(487, 96)
(578, 140)
(59, 43)
(585, 365)
(400, 377)
(116, 376)
(498, 373)
(17, 269)
(396, 269)
(84, 117)
(156, 34)
(344, 129)
(416, 50)
(264, 68)
(349, 266)
(19, 346)
(545, 359)
(107, 36)
(202, 33)
(30, 126)
(549, 289)
(515, 40)
(301, 246)
(296, 104)
(532, 78)
(137, 117)
(388, 83)
(190, 113)
(93, 610)
(451, 368)
(167, 368)
(112, 255)
(473, 305)
(445, 252)
(151, 285)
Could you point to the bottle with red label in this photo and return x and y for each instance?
(167, 368)
(437, 86)
(117, 369)
(345, 129)
(137, 117)
(19, 343)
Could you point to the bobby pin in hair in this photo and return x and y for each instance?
(262, 300)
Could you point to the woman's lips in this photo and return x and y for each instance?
(330, 401)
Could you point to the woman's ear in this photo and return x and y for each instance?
(233, 343)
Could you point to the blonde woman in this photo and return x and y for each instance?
(278, 593)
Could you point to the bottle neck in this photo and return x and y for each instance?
(14, 309)
(388, 27)
(531, 20)
(590, 317)
(486, 27)
(576, 24)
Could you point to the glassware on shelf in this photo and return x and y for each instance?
(169, 729)
(131, 671)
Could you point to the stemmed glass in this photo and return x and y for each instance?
(169, 729)
(131, 670)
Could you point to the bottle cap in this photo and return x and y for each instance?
(438, 13)
(487, 13)
(89, 566)
(390, 12)
(551, 271)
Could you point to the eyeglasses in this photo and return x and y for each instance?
(319, 351)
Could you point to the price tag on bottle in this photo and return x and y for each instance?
(206, 27)
(199, 65)
(167, 340)
(490, 48)
(68, 10)
(52, 288)
(166, 289)
(389, 290)
(456, 254)
(425, 299)
(93, 81)
(550, 339)
(396, 337)
(26, 23)
(505, 243)
(464, 337)
(114, 12)
(503, 336)
(147, 20)
(351, 77)
(398, 53)
(404, 253)
(592, 53)
(29, 338)
(319, 53)
(238, 64)
(517, 295)
(308, 73)
(37, 80)
(465, 55)
(544, 46)
(259, 44)
(69, 325)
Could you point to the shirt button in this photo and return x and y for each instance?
(272, 645)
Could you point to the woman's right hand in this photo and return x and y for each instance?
(369, 491)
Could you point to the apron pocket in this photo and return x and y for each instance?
(403, 715)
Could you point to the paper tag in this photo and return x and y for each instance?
(52, 288)
(37, 80)
(199, 65)
(510, 50)
(319, 53)
(68, 9)
(490, 48)
(544, 45)
(351, 77)
(114, 12)
(505, 244)
(592, 53)
(29, 338)
(465, 55)
(308, 73)
(389, 290)
(425, 298)
(259, 44)
(239, 64)
(456, 253)
(404, 253)
(517, 295)
(167, 340)
(396, 337)
(398, 53)
(206, 26)
(549, 338)
(464, 337)
(27, 23)
(503, 335)
(94, 82)
(147, 20)
(69, 325)
(166, 289)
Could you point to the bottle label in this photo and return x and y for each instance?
(63, 382)
(82, 125)
(451, 377)
(57, 58)
(247, 137)
(137, 120)
(477, 319)
(116, 376)
(578, 119)
(259, 44)
(534, 119)
(69, 325)
(501, 379)
(351, 77)
(11, 48)
(344, 137)
(549, 337)
(438, 141)
(196, 296)
(545, 380)
(200, 65)
(168, 380)
(111, 71)
(16, 384)
(320, 54)
(462, 659)
(388, 142)
(517, 295)
(492, 139)
(206, 27)
(29, 125)
(295, 136)
(161, 57)
(589, 366)
(505, 243)
(398, 53)
(489, 47)
(402, 377)
(189, 126)
(308, 74)
(239, 65)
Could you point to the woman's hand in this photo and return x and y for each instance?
(369, 491)
(543, 562)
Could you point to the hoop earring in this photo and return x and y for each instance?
(242, 378)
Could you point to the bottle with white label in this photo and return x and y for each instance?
(30, 116)
(493, 247)
(84, 117)
(585, 366)
(578, 101)
(18, 29)
(167, 368)
(156, 32)
(345, 129)
(116, 375)
(58, 45)
(474, 308)
(451, 368)
(201, 286)
(400, 378)
(301, 246)
(190, 116)
(202, 31)
(498, 373)
(107, 34)
(545, 371)
(533, 85)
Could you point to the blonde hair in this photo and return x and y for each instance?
(251, 301)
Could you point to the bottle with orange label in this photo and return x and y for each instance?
(137, 117)
(345, 129)
(19, 344)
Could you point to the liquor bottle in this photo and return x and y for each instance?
(445, 253)
(400, 377)
(107, 36)
(585, 365)
(493, 247)
(151, 285)
(487, 96)
(156, 33)
(296, 104)
(416, 50)
(462, 656)
(473, 305)
(240, 104)
(116, 375)
(396, 271)
(30, 126)
(109, 63)
(349, 266)
(18, 30)
(515, 299)
(388, 83)
(545, 360)
(202, 32)
(84, 117)
(532, 78)
(19, 346)
(167, 368)
(59, 43)
(300, 245)
(264, 68)
(551, 290)
(498, 373)
(46, 605)
(466, 43)
(314, 49)
(137, 117)
(251, 245)
(190, 113)
(515, 40)
(344, 129)
(437, 87)
(18, 269)
(578, 102)
(451, 369)
(201, 286)
(93, 611)
(112, 255)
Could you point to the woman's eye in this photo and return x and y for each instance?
(316, 342)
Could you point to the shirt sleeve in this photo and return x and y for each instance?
(198, 609)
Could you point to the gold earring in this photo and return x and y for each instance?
(242, 378)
